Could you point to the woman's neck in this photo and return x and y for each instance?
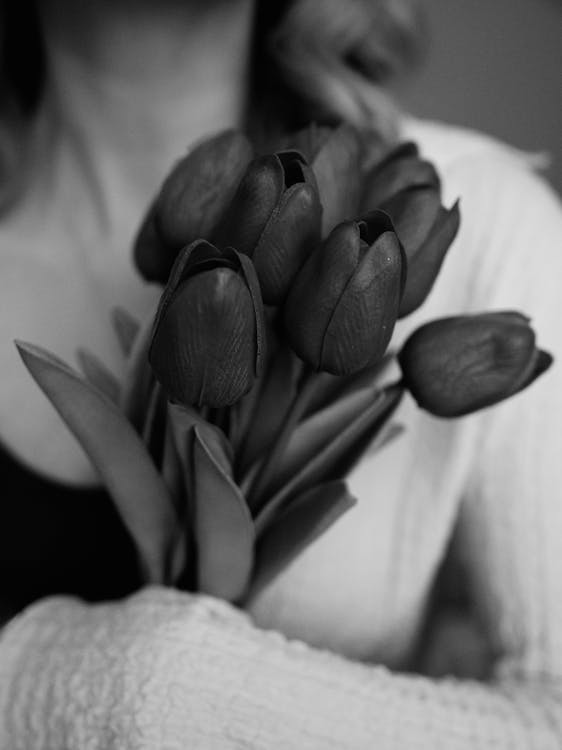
(130, 84)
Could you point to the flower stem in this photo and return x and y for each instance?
(257, 494)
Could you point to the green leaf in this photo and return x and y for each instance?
(126, 328)
(307, 518)
(223, 527)
(337, 458)
(98, 374)
(117, 452)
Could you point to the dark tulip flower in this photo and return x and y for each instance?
(408, 188)
(341, 310)
(208, 337)
(334, 155)
(274, 218)
(191, 201)
(426, 230)
(402, 167)
(458, 365)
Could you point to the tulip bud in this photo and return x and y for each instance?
(191, 201)
(335, 157)
(340, 312)
(208, 337)
(275, 219)
(400, 168)
(409, 190)
(426, 231)
(458, 365)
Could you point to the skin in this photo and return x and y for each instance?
(130, 85)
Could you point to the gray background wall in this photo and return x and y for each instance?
(495, 65)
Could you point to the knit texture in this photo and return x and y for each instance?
(481, 495)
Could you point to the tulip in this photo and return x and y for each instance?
(458, 365)
(426, 230)
(402, 167)
(274, 218)
(208, 336)
(334, 155)
(409, 190)
(340, 312)
(191, 202)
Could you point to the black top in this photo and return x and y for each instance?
(57, 539)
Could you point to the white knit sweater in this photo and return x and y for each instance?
(167, 670)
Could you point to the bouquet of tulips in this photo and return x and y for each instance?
(260, 381)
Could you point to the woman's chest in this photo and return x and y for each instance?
(53, 295)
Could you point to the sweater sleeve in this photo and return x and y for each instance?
(169, 670)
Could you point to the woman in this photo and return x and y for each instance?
(128, 84)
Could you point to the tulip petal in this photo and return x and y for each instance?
(152, 256)
(384, 182)
(318, 286)
(289, 236)
(223, 528)
(363, 320)
(98, 374)
(403, 150)
(296, 528)
(413, 212)
(539, 364)
(126, 329)
(337, 458)
(197, 192)
(254, 202)
(117, 452)
(425, 264)
(309, 140)
(251, 279)
(337, 170)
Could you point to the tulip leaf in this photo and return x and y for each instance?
(154, 427)
(313, 434)
(223, 527)
(184, 418)
(337, 458)
(139, 378)
(98, 374)
(297, 527)
(276, 394)
(426, 263)
(126, 328)
(117, 452)
(329, 388)
(172, 473)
